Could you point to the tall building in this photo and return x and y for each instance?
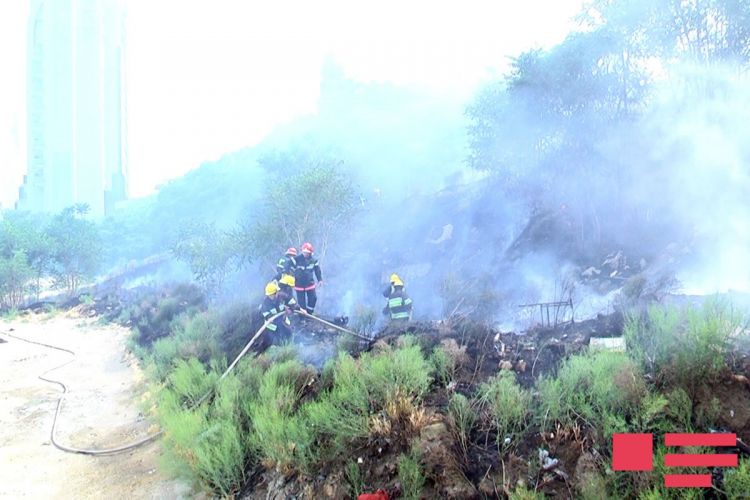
(77, 147)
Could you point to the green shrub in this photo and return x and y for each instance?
(683, 347)
(237, 325)
(524, 493)
(445, 366)
(464, 417)
(400, 371)
(604, 388)
(354, 479)
(280, 435)
(192, 337)
(190, 381)
(204, 443)
(680, 410)
(737, 481)
(411, 476)
(153, 312)
(507, 403)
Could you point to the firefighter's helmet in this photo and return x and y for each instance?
(287, 279)
(272, 288)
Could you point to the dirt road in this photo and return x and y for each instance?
(101, 410)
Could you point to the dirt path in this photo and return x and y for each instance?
(101, 410)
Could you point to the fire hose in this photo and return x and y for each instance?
(152, 437)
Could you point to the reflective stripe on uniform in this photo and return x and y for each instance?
(395, 302)
(271, 327)
(270, 312)
(407, 302)
(305, 288)
(400, 315)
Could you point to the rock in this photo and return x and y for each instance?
(433, 432)
(521, 366)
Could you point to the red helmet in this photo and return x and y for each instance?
(291, 251)
(307, 247)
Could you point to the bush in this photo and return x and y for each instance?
(683, 347)
(354, 479)
(604, 388)
(204, 443)
(737, 481)
(411, 476)
(507, 403)
(524, 493)
(237, 324)
(280, 435)
(153, 313)
(463, 416)
(192, 337)
(445, 367)
(403, 370)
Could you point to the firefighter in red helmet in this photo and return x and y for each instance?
(307, 271)
(287, 264)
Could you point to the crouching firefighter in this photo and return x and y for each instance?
(280, 329)
(286, 294)
(398, 307)
(308, 270)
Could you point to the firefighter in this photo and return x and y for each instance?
(286, 294)
(280, 328)
(398, 307)
(287, 264)
(308, 270)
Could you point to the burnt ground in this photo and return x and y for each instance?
(479, 469)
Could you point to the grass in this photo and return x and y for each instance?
(354, 479)
(737, 480)
(686, 347)
(463, 416)
(411, 476)
(192, 337)
(205, 443)
(524, 493)
(445, 365)
(604, 389)
(508, 404)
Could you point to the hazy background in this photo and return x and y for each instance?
(209, 78)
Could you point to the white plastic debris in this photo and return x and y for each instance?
(615, 344)
(360, 460)
(546, 461)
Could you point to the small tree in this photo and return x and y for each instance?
(15, 274)
(207, 251)
(311, 205)
(76, 247)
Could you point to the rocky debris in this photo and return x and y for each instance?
(436, 444)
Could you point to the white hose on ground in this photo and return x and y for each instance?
(120, 449)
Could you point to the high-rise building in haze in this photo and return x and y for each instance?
(77, 147)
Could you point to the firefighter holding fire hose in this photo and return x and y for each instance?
(307, 272)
